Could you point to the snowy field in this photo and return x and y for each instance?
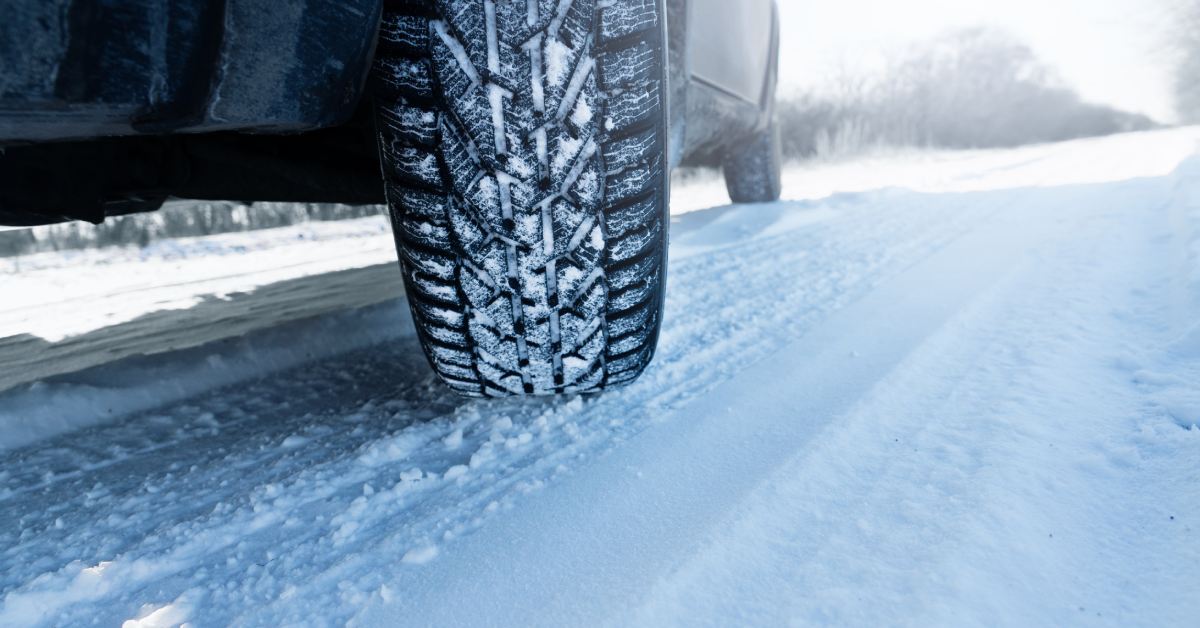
(929, 389)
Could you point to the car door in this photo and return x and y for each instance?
(729, 45)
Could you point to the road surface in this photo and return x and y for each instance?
(962, 392)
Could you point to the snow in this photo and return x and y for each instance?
(121, 284)
(930, 388)
(582, 114)
(558, 61)
(420, 555)
(164, 616)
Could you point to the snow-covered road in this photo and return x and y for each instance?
(961, 389)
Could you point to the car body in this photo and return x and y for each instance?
(112, 106)
(523, 148)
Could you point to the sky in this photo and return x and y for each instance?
(1113, 52)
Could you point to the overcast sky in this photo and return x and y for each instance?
(1111, 51)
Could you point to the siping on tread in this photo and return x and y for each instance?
(523, 145)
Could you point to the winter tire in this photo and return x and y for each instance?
(524, 151)
(753, 172)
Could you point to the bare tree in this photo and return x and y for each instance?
(971, 88)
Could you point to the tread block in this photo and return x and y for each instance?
(404, 34)
(636, 243)
(631, 151)
(626, 18)
(636, 214)
(629, 68)
(412, 125)
(407, 77)
(633, 181)
(640, 292)
(633, 271)
(632, 108)
(414, 165)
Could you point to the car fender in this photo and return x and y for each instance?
(724, 87)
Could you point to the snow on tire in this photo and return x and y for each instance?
(753, 173)
(524, 153)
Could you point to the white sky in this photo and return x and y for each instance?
(1112, 51)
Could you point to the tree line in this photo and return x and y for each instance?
(972, 88)
(177, 220)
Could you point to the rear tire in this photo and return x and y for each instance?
(753, 172)
(523, 144)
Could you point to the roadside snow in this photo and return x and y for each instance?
(45, 292)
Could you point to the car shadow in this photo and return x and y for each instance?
(26, 358)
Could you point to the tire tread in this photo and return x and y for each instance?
(524, 154)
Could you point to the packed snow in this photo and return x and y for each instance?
(931, 388)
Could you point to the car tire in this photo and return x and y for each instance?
(523, 146)
(753, 171)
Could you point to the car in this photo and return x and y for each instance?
(523, 147)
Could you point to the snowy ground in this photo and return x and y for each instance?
(945, 388)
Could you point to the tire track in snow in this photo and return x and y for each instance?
(311, 476)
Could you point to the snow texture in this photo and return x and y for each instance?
(971, 401)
